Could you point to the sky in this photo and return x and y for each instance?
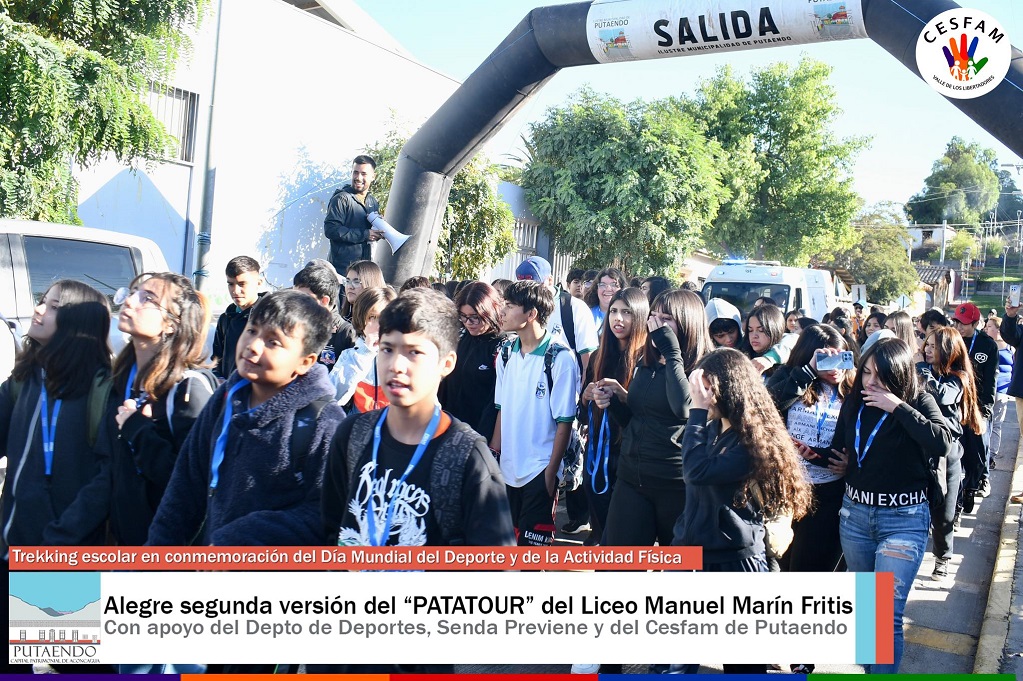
(909, 123)
(62, 591)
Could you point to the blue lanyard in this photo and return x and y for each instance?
(975, 334)
(220, 446)
(431, 428)
(601, 451)
(823, 415)
(870, 440)
(131, 381)
(49, 427)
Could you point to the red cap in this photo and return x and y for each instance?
(967, 313)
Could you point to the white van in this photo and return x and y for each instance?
(791, 288)
(35, 254)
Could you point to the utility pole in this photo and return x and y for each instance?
(944, 229)
(966, 276)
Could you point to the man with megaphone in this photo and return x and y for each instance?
(347, 225)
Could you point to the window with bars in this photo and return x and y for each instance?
(178, 110)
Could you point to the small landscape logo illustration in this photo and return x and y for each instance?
(963, 53)
(54, 617)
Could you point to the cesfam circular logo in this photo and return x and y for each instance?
(963, 53)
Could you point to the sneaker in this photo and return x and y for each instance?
(985, 489)
(575, 527)
(940, 569)
(802, 668)
(957, 520)
(585, 668)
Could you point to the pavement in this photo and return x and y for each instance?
(970, 623)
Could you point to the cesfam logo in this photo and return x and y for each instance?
(963, 53)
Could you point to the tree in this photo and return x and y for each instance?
(878, 257)
(957, 246)
(630, 185)
(788, 173)
(962, 187)
(1010, 199)
(73, 76)
(477, 228)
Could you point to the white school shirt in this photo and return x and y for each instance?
(531, 410)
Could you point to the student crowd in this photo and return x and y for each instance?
(470, 408)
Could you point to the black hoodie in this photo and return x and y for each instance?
(225, 339)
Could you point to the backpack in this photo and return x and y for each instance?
(568, 321)
(446, 473)
(203, 374)
(572, 460)
(96, 405)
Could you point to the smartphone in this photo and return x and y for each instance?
(1014, 295)
(826, 362)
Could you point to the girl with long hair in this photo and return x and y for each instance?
(608, 282)
(902, 325)
(735, 437)
(361, 275)
(810, 400)
(649, 493)
(621, 346)
(58, 486)
(468, 391)
(891, 431)
(162, 380)
(354, 377)
(947, 374)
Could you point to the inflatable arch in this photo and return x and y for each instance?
(551, 38)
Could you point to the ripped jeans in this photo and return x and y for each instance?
(883, 539)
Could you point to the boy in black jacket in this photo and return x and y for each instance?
(984, 356)
(437, 473)
(243, 282)
(252, 475)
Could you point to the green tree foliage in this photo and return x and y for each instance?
(633, 185)
(878, 258)
(73, 80)
(957, 247)
(788, 173)
(1010, 199)
(477, 229)
(962, 188)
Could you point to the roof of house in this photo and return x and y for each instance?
(932, 274)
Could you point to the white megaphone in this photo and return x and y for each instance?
(395, 239)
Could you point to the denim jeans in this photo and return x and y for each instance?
(880, 539)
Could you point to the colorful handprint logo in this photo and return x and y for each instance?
(962, 62)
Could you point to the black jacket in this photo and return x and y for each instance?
(900, 458)
(347, 228)
(948, 393)
(1013, 335)
(984, 355)
(225, 339)
(143, 454)
(70, 508)
(716, 467)
(468, 391)
(787, 385)
(267, 495)
(654, 418)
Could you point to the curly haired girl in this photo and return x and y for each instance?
(734, 437)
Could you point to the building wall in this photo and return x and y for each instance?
(296, 99)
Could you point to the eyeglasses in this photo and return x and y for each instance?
(353, 282)
(141, 299)
(473, 319)
(614, 286)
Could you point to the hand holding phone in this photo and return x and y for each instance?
(827, 361)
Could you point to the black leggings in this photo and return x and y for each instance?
(816, 546)
(639, 516)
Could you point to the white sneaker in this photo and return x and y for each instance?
(585, 668)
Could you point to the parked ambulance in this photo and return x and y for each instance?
(791, 288)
